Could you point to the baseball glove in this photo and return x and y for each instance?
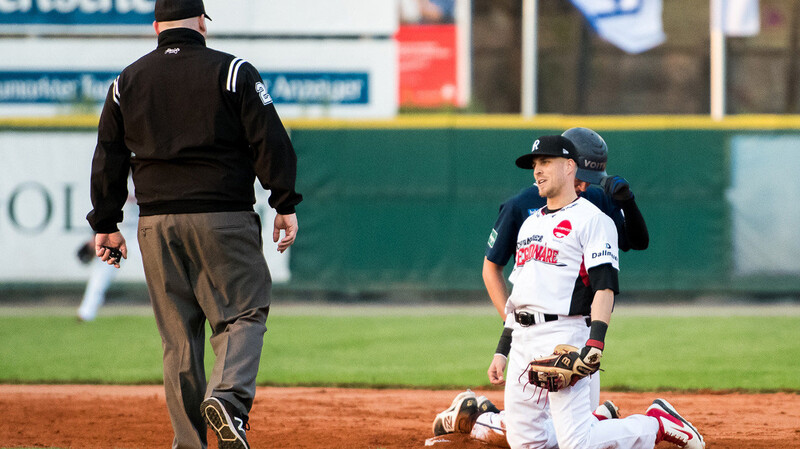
(562, 369)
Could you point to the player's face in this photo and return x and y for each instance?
(551, 175)
(580, 186)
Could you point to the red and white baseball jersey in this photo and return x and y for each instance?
(555, 250)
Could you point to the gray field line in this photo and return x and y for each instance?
(328, 309)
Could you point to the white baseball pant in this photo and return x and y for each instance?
(538, 420)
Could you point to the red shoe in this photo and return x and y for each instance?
(606, 410)
(672, 428)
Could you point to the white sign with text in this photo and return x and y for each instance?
(44, 199)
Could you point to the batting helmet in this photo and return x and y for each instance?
(592, 154)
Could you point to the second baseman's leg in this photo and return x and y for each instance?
(594, 390)
(578, 429)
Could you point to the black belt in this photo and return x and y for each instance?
(529, 319)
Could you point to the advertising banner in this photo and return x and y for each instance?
(434, 41)
(230, 17)
(44, 199)
(342, 79)
(428, 76)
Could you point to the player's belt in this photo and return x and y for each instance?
(529, 319)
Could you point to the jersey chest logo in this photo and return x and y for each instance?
(539, 253)
(562, 229)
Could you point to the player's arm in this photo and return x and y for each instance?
(498, 365)
(501, 246)
(495, 284)
(603, 305)
(634, 229)
(601, 257)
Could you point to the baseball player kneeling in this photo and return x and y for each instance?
(564, 280)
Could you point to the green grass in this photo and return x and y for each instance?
(753, 353)
(413, 348)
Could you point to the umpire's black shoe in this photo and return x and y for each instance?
(226, 422)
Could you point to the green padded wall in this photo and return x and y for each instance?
(412, 208)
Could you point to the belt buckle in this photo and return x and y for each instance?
(525, 319)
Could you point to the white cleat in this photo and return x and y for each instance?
(673, 428)
(460, 417)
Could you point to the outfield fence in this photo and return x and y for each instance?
(408, 204)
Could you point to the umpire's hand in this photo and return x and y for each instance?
(289, 225)
(103, 244)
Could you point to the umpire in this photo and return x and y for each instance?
(196, 127)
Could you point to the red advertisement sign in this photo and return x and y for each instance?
(427, 65)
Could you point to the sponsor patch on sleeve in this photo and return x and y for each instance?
(492, 238)
(605, 255)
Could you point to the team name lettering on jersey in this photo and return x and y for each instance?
(533, 238)
(538, 253)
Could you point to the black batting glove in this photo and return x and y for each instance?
(593, 351)
(617, 188)
(591, 355)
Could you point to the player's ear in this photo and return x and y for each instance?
(202, 24)
(155, 27)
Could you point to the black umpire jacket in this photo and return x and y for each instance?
(196, 127)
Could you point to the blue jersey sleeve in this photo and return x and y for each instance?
(503, 239)
(603, 202)
(502, 242)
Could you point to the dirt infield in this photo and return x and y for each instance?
(77, 416)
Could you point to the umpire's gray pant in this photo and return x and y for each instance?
(206, 266)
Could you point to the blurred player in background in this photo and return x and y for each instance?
(427, 11)
(102, 274)
(196, 127)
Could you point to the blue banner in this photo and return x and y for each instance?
(76, 12)
(325, 88)
(54, 87)
(59, 87)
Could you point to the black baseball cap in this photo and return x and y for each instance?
(558, 146)
(168, 10)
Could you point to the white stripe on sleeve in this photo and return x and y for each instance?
(233, 72)
(116, 90)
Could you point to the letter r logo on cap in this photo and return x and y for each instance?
(535, 145)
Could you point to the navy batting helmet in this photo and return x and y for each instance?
(592, 154)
